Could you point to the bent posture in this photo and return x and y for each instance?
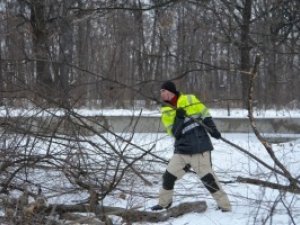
(192, 145)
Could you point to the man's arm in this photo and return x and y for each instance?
(214, 132)
(178, 123)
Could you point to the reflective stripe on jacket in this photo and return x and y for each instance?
(190, 136)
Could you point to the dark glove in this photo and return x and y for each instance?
(215, 133)
(208, 121)
(180, 113)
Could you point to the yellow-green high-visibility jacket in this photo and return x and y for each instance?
(190, 136)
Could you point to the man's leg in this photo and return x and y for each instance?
(175, 171)
(201, 163)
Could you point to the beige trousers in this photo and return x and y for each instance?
(201, 164)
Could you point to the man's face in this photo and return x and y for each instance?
(166, 95)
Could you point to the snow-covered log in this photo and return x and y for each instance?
(134, 215)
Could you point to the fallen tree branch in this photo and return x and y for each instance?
(264, 142)
(133, 215)
(268, 184)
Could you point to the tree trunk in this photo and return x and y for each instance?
(66, 44)
(245, 50)
(44, 81)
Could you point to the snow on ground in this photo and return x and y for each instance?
(238, 113)
(252, 205)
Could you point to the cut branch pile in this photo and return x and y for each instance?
(19, 211)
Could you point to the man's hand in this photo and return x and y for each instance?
(208, 121)
(180, 113)
(216, 134)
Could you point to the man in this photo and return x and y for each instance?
(192, 145)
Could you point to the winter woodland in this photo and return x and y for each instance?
(59, 166)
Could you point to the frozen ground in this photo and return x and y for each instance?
(252, 205)
(239, 113)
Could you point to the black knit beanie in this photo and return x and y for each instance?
(170, 86)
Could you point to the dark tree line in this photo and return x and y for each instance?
(116, 53)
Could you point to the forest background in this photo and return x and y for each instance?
(80, 53)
